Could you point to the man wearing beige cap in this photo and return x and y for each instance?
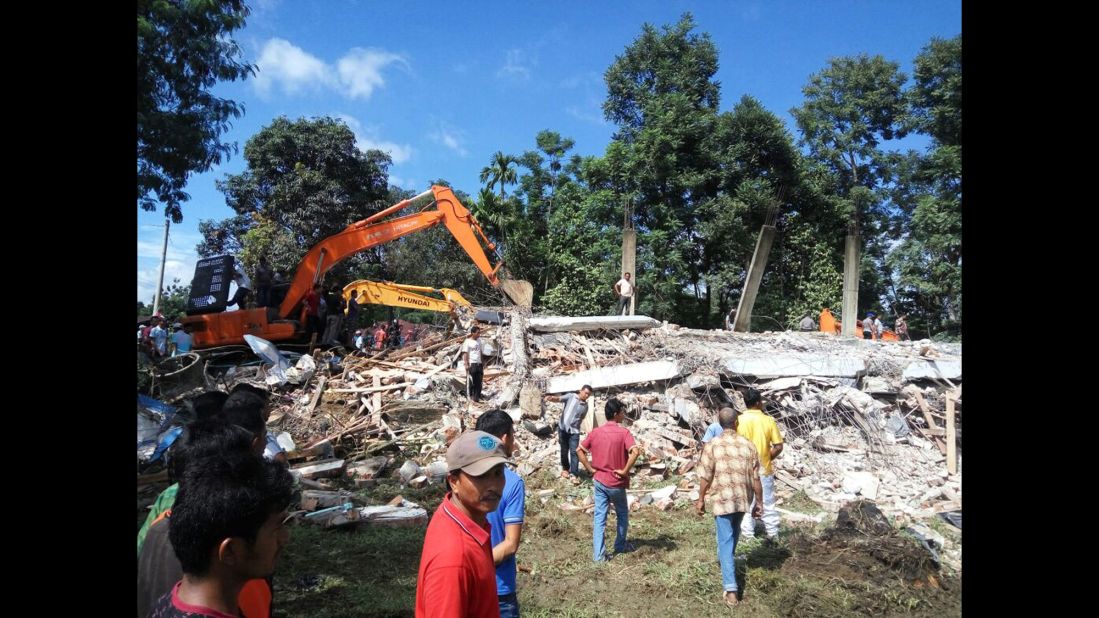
(457, 574)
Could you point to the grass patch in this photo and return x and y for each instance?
(802, 503)
(674, 571)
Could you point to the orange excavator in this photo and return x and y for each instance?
(400, 295)
(829, 324)
(285, 322)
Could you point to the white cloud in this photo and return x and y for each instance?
(450, 137)
(281, 62)
(355, 76)
(516, 66)
(583, 79)
(360, 70)
(405, 183)
(366, 138)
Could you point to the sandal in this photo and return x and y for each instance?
(730, 599)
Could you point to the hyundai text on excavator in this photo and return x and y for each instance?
(400, 295)
(285, 322)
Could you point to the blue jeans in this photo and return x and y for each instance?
(569, 459)
(509, 605)
(728, 530)
(617, 497)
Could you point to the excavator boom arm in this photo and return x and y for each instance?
(371, 232)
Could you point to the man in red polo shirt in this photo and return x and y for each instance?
(457, 575)
(613, 453)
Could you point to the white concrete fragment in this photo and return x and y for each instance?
(557, 324)
(604, 377)
(939, 369)
(782, 366)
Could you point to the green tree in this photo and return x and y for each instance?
(500, 171)
(928, 260)
(850, 108)
(183, 49)
(305, 181)
(663, 97)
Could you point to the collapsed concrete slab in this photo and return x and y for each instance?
(789, 366)
(927, 370)
(558, 324)
(604, 377)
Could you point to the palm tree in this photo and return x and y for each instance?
(492, 212)
(500, 171)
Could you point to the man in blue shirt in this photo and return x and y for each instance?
(507, 519)
(715, 428)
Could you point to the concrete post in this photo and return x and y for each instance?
(755, 275)
(629, 261)
(850, 285)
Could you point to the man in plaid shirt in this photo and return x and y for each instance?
(729, 466)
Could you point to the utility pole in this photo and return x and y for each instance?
(163, 257)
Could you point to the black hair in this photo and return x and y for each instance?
(231, 494)
(475, 329)
(752, 398)
(245, 409)
(200, 407)
(202, 438)
(587, 386)
(612, 408)
(496, 422)
(263, 393)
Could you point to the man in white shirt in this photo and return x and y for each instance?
(624, 290)
(181, 340)
(244, 288)
(471, 353)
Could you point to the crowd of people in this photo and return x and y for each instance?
(210, 543)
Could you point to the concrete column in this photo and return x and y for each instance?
(755, 275)
(629, 261)
(850, 285)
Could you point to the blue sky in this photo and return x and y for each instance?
(442, 85)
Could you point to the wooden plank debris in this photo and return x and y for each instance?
(316, 395)
(951, 439)
(323, 469)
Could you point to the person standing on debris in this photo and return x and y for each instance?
(228, 527)
(359, 341)
(393, 334)
(457, 576)
(568, 429)
(159, 337)
(730, 466)
(264, 277)
(507, 519)
(244, 288)
(613, 452)
(715, 428)
(901, 328)
(379, 337)
(868, 326)
(332, 329)
(181, 339)
(763, 432)
(730, 319)
(624, 289)
(353, 311)
(807, 325)
(878, 328)
(475, 370)
(312, 310)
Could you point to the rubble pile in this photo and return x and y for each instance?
(862, 419)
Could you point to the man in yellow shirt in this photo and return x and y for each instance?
(761, 430)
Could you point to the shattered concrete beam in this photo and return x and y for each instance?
(558, 324)
(604, 377)
(928, 370)
(789, 366)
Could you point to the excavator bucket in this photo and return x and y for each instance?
(519, 291)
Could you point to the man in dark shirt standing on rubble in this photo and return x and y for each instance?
(568, 429)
